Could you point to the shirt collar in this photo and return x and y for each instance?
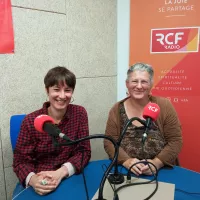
(66, 115)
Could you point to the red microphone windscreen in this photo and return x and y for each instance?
(40, 120)
(151, 110)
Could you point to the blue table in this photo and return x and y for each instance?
(73, 187)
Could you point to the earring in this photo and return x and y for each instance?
(47, 99)
(72, 100)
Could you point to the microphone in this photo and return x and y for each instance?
(45, 124)
(150, 113)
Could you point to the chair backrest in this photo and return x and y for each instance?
(15, 124)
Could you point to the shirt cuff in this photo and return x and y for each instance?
(28, 178)
(70, 168)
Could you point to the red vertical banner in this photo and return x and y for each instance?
(6, 28)
(165, 34)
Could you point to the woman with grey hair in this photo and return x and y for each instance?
(164, 139)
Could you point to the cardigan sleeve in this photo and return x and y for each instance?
(171, 128)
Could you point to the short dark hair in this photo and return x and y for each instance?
(60, 75)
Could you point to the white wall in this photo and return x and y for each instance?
(79, 34)
(123, 25)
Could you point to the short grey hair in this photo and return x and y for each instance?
(141, 67)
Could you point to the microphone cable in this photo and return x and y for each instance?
(56, 144)
(95, 136)
(139, 183)
(14, 197)
(83, 175)
(188, 193)
(176, 189)
(144, 137)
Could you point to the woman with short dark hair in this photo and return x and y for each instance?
(37, 162)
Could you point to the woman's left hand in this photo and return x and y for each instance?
(157, 162)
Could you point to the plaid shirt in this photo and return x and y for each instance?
(35, 151)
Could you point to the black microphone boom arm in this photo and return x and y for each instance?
(100, 196)
(143, 122)
(116, 177)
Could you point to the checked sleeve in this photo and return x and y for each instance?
(23, 163)
(82, 151)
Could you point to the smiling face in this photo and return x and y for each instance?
(139, 84)
(59, 97)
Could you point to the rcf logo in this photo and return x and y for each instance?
(152, 108)
(170, 39)
(174, 40)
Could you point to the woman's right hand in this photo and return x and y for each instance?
(135, 169)
(36, 183)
